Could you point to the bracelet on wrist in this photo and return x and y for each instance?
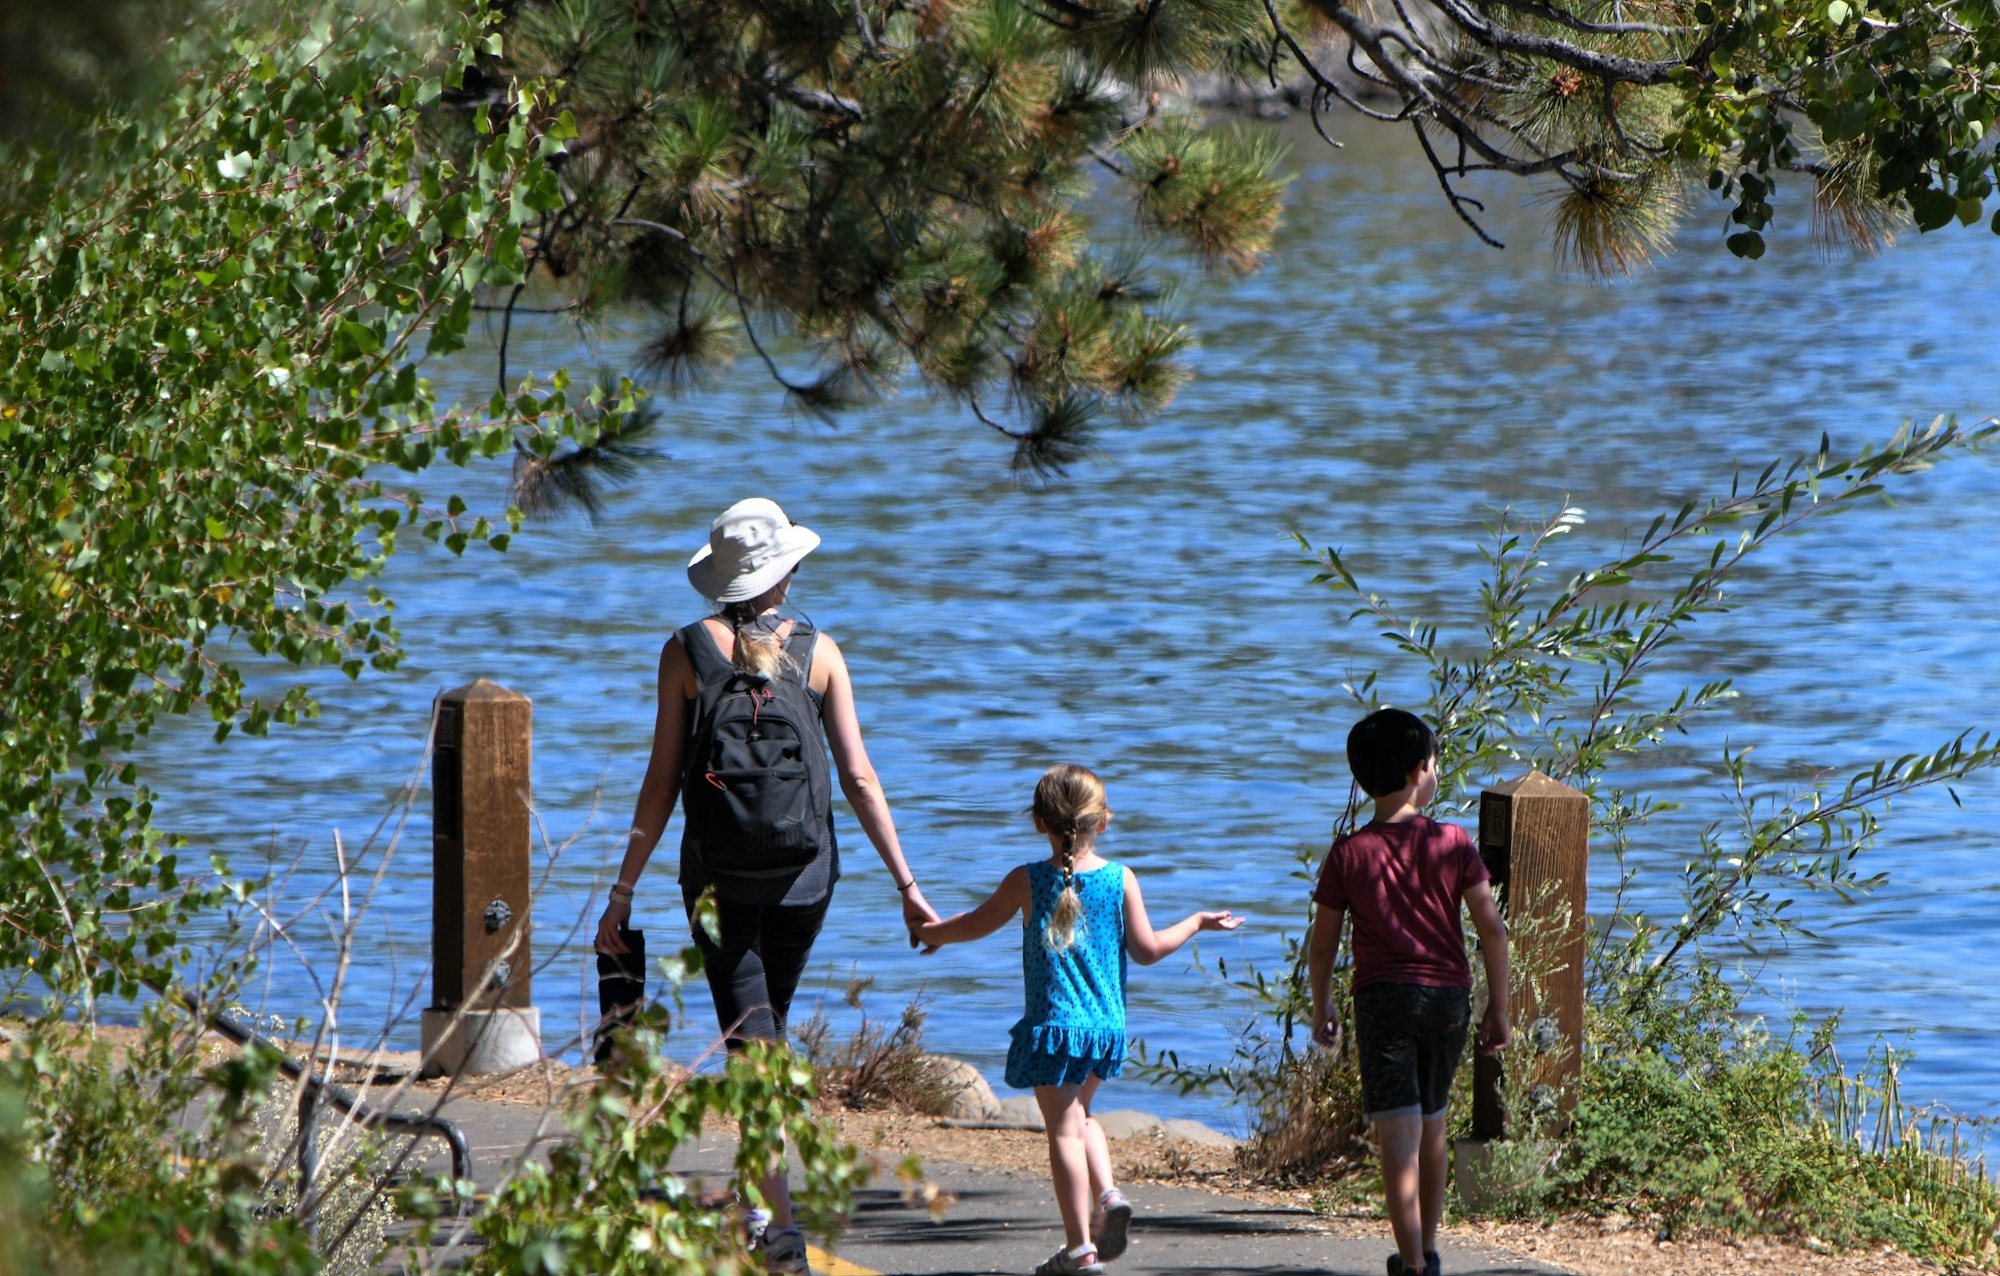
(620, 890)
(906, 885)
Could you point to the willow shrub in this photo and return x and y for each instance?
(213, 412)
(1684, 1109)
(1694, 1113)
(145, 1160)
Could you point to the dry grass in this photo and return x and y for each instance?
(877, 1066)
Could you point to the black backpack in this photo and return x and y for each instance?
(755, 793)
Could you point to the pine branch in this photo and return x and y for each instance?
(572, 480)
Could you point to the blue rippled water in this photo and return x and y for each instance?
(1386, 384)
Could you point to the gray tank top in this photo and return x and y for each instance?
(809, 885)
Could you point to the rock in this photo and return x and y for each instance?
(1195, 1132)
(966, 1094)
(1127, 1122)
(1020, 1110)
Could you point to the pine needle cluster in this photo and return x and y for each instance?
(871, 196)
(1620, 110)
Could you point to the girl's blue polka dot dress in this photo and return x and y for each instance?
(1073, 1025)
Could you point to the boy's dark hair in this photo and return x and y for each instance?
(1384, 747)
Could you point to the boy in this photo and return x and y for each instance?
(1402, 876)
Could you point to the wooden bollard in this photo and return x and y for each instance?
(1534, 836)
(481, 1018)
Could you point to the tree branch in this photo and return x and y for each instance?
(1564, 18)
(1505, 39)
(1459, 202)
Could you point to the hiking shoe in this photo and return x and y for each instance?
(1081, 1261)
(784, 1252)
(1114, 1219)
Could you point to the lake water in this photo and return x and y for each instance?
(1386, 384)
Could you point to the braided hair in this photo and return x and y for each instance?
(757, 650)
(1070, 804)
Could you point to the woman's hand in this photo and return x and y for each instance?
(617, 912)
(917, 911)
(1224, 920)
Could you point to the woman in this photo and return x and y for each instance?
(771, 902)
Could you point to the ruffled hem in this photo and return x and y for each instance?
(1107, 1044)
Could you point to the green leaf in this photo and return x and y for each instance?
(359, 338)
(235, 166)
(1747, 244)
(1932, 208)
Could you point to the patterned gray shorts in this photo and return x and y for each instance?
(1408, 1039)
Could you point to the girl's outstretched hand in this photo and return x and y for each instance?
(1223, 920)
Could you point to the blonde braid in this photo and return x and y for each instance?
(1061, 930)
(755, 652)
(1069, 804)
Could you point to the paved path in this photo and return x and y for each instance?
(1005, 1222)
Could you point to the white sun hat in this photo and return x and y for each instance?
(751, 546)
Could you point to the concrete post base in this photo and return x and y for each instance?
(481, 1042)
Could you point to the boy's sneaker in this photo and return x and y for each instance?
(1081, 1261)
(1113, 1220)
(785, 1252)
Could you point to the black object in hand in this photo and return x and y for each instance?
(621, 986)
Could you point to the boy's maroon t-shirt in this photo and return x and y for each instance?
(1401, 884)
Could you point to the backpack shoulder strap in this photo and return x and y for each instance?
(707, 658)
(803, 642)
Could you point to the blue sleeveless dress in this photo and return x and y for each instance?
(1073, 1025)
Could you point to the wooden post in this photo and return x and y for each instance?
(481, 1018)
(1534, 835)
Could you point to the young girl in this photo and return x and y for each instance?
(1081, 915)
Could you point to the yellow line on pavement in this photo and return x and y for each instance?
(825, 1264)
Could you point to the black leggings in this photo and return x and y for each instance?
(754, 971)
